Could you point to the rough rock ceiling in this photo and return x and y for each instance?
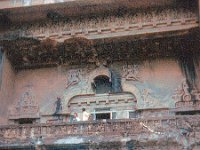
(31, 53)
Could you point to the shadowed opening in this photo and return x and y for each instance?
(102, 85)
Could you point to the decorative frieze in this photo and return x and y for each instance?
(158, 126)
(105, 100)
(111, 26)
(103, 25)
(116, 127)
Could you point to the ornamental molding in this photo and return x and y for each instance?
(139, 23)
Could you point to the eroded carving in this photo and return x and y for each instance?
(131, 72)
(120, 127)
(110, 22)
(186, 98)
(150, 100)
(182, 92)
(26, 107)
(74, 76)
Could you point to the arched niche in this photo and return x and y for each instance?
(100, 71)
(102, 84)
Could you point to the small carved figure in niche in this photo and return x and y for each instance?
(74, 77)
(182, 93)
(58, 104)
(131, 72)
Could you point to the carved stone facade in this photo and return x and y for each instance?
(113, 104)
(120, 64)
(184, 131)
(113, 24)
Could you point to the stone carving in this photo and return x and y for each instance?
(150, 101)
(106, 100)
(145, 95)
(184, 125)
(86, 24)
(117, 127)
(131, 72)
(26, 107)
(182, 93)
(74, 76)
(183, 97)
(10, 134)
(59, 106)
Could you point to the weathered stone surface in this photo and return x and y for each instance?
(138, 63)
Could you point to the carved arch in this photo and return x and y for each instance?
(100, 71)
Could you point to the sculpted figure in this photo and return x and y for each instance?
(58, 104)
(182, 93)
(131, 72)
(74, 77)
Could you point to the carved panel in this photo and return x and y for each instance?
(113, 23)
(131, 72)
(26, 107)
(185, 98)
(74, 76)
(182, 93)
